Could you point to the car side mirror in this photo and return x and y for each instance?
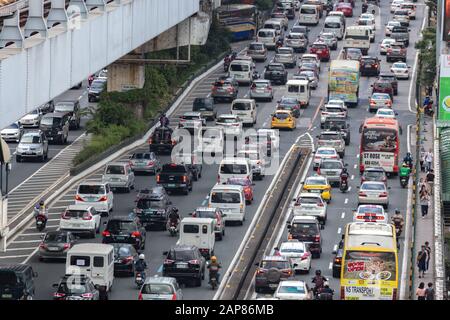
(357, 187)
(389, 188)
(97, 287)
(409, 30)
(224, 215)
(295, 265)
(165, 253)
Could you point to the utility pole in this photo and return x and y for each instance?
(5, 167)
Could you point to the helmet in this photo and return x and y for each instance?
(41, 202)
(344, 170)
(213, 259)
(141, 256)
(408, 154)
(318, 272)
(397, 211)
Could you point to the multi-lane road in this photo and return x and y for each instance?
(23, 247)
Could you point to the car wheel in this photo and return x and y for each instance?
(92, 234)
(220, 237)
(128, 189)
(198, 282)
(18, 159)
(186, 192)
(336, 274)
(43, 158)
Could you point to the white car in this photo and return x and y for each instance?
(386, 113)
(324, 153)
(385, 45)
(274, 136)
(31, 119)
(396, 5)
(366, 22)
(80, 219)
(368, 16)
(293, 290)
(231, 124)
(12, 133)
(253, 154)
(370, 213)
(400, 70)
(310, 57)
(390, 25)
(337, 102)
(298, 253)
(373, 192)
(310, 204)
(98, 195)
(332, 110)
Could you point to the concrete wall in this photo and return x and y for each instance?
(48, 67)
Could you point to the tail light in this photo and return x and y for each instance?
(235, 124)
(289, 236)
(103, 198)
(361, 168)
(168, 261)
(78, 198)
(389, 50)
(320, 204)
(184, 179)
(305, 256)
(343, 292)
(230, 90)
(66, 246)
(64, 216)
(87, 295)
(362, 194)
(375, 65)
(261, 271)
(372, 103)
(194, 262)
(59, 295)
(317, 238)
(383, 195)
(174, 296)
(127, 260)
(337, 260)
(150, 163)
(140, 296)
(269, 88)
(218, 178)
(318, 170)
(174, 142)
(158, 178)
(87, 216)
(106, 234)
(135, 234)
(150, 141)
(43, 245)
(333, 157)
(287, 271)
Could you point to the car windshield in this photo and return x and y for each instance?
(239, 67)
(8, 278)
(284, 51)
(121, 250)
(49, 121)
(291, 289)
(256, 46)
(142, 156)
(205, 214)
(202, 104)
(75, 213)
(327, 36)
(296, 36)
(315, 181)
(239, 182)
(150, 203)
(260, 84)
(373, 187)
(111, 169)
(307, 200)
(281, 115)
(319, 46)
(399, 65)
(72, 288)
(309, 74)
(98, 85)
(290, 249)
(91, 189)
(298, 29)
(330, 124)
(331, 165)
(288, 101)
(380, 96)
(226, 120)
(266, 34)
(304, 229)
(307, 11)
(233, 168)
(225, 197)
(30, 139)
(364, 209)
(115, 226)
(13, 126)
(326, 152)
(332, 25)
(64, 107)
(55, 237)
(373, 174)
(364, 22)
(369, 60)
(241, 106)
(157, 288)
(275, 67)
(181, 255)
(329, 136)
(269, 264)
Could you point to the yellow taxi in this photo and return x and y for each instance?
(283, 119)
(320, 185)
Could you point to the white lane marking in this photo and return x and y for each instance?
(349, 189)
(339, 231)
(408, 137)
(352, 177)
(208, 95)
(14, 257)
(31, 234)
(357, 156)
(335, 247)
(264, 124)
(247, 94)
(330, 266)
(20, 249)
(343, 215)
(346, 200)
(25, 241)
(354, 167)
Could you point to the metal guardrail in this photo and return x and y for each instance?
(9, 9)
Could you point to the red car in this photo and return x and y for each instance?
(322, 51)
(352, 2)
(345, 8)
(248, 188)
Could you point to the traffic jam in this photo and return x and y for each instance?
(164, 220)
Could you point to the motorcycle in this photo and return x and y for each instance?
(404, 181)
(213, 279)
(324, 296)
(173, 228)
(343, 184)
(255, 75)
(139, 279)
(41, 222)
(226, 63)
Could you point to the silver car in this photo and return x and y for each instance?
(374, 192)
(332, 139)
(297, 41)
(329, 39)
(261, 89)
(32, 145)
(160, 288)
(12, 133)
(31, 119)
(332, 169)
(145, 162)
(119, 175)
(286, 56)
(258, 51)
(311, 75)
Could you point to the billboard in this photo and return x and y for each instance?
(444, 88)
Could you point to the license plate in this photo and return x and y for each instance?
(273, 285)
(53, 249)
(171, 185)
(315, 191)
(182, 266)
(319, 51)
(120, 238)
(49, 138)
(6, 295)
(76, 225)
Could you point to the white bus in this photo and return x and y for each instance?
(357, 37)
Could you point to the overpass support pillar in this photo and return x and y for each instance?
(125, 76)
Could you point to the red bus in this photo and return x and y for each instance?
(380, 144)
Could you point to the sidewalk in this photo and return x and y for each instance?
(424, 226)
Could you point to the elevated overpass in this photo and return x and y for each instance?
(60, 45)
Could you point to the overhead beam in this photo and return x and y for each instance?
(153, 61)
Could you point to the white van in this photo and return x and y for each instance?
(230, 199)
(274, 24)
(242, 70)
(309, 14)
(371, 32)
(95, 260)
(245, 109)
(234, 168)
(357, 37)
(300, 90)
(267, 36)
(198, 232)
(335, 25)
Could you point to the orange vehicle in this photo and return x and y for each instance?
(380, 144)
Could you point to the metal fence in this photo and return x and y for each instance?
(9, 9)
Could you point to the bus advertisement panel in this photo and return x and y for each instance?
(369, 275)
(239, 19)
(343, 81)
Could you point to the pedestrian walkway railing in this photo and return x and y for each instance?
(9, 9)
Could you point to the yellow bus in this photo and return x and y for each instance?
(369, 262)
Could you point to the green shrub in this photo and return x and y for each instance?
(264, 4)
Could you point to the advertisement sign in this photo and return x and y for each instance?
(444, 85)
(379, 159)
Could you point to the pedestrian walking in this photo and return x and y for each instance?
(422, 160)
(429, 292)
(429, 90)
(421, 261)
(430, 181)
(428, 160)
(428, 249)
(420, 292)
(424, 201)
(421, 185)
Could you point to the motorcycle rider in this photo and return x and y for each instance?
(174, 217)
(319, 282)
(141, 265)
(343, 176)
(405, 170)
(164, 120)
(41, 209)
(326, 293)
(214, 267)
(398, 221)
(408, 159)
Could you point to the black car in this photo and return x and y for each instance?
(154, 208)
(389, 76)
(56, 127)
(338, 124)
(47, 107)
(124, 258)
(75, 287)
(271, 270)
(290, 13)
(369, 66)
(55, 244)
(206, 107)
(276, 73)
(73, 108)
(16, 282)
(291, 104)
(307, 229)
(124, 229)
(184, 262)
(96, 88)
(175, 177)
(161, 140)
